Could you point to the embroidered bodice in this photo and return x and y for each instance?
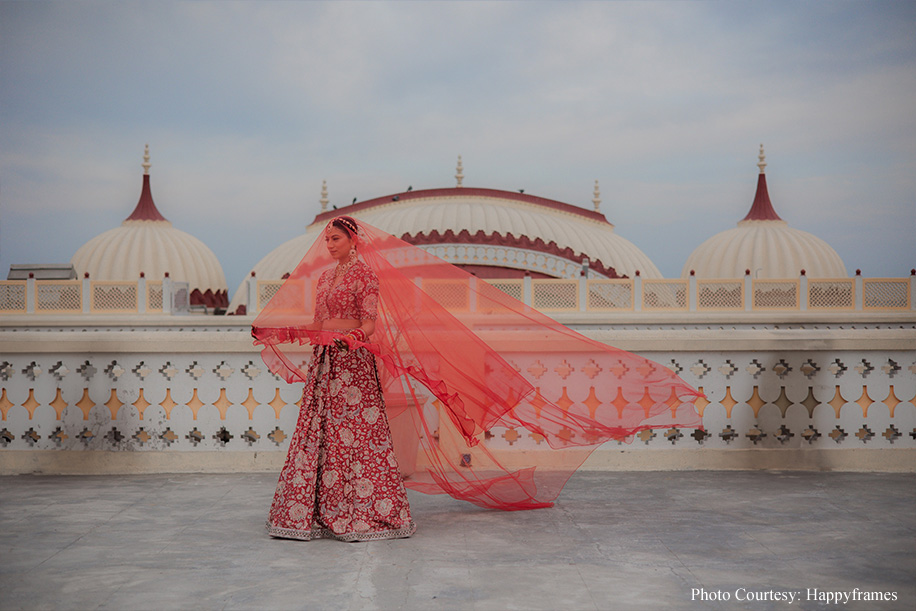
(355, 296)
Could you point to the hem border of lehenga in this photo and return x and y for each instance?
(319, 532)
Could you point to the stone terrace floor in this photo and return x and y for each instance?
(613, 541)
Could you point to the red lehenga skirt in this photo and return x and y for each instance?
(341, 479)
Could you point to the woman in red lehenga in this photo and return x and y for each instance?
(341, 478)
(460, 359)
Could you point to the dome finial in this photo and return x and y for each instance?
(146, 209)
(460, 173)
(762, 208)
(324, 196)
(597, 199)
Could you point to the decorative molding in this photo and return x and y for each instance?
(509, 241)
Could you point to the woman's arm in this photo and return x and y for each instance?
(367, 327)
(360, 333)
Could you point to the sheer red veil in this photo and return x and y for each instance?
(462, 369)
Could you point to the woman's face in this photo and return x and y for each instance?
(338, 243)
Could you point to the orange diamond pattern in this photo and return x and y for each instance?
(620, 402)
(59, 404)
(837, 402)
(277, 403)
(5, 404)
(565, 403)
(114, 404)
(892, 401)
(755, 401)
(31, 404)
(141, 404)
(728, 402)
(222, 404)
(864, 402)
(250, 403)
(592, 402)
(85, 404)
(167, 404)
(195, 403)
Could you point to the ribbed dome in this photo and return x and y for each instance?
(485, 217)
(146, 242)
(764, 244)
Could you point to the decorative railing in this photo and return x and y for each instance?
(637, 294)
(88, 296)
(692, 294)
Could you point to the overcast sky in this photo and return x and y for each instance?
(248, 106)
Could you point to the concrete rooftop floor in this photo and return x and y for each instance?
(614, 540)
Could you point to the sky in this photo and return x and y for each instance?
(248, 106)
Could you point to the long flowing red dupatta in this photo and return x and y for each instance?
(460, 359)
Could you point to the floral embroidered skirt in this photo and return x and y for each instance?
(341, 478)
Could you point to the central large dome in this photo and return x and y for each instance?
(489, 232)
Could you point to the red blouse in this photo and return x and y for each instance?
(354, 297)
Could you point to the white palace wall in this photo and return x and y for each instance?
(120, 393)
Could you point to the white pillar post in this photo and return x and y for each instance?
(913, 289)
(748, 291)
(860, 291)
(637, 292)
(803, 291)
(692, 296)
(251, 304)
(31, 297)
(141, 293)
(166, 294)
(583, 292)
(472, 293)
(86, 293)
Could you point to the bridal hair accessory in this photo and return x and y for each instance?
(345, 223)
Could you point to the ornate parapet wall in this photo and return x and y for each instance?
(792, 390)
(555, 295)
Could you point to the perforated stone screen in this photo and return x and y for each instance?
(664, 294)
(154, 296)
(12, 297)
(449, 294)
(554, 294)
(610, 295)
(882, 293)
(114, 297)
(513, 288)
(720, 295)
(775, 294)
(58, 297)
(831, 294)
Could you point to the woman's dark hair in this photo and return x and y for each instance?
(347, 225)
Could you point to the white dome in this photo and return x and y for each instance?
(146, 242)
(764, 244)
(770, 249)
(151, 247)
(474, 210)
